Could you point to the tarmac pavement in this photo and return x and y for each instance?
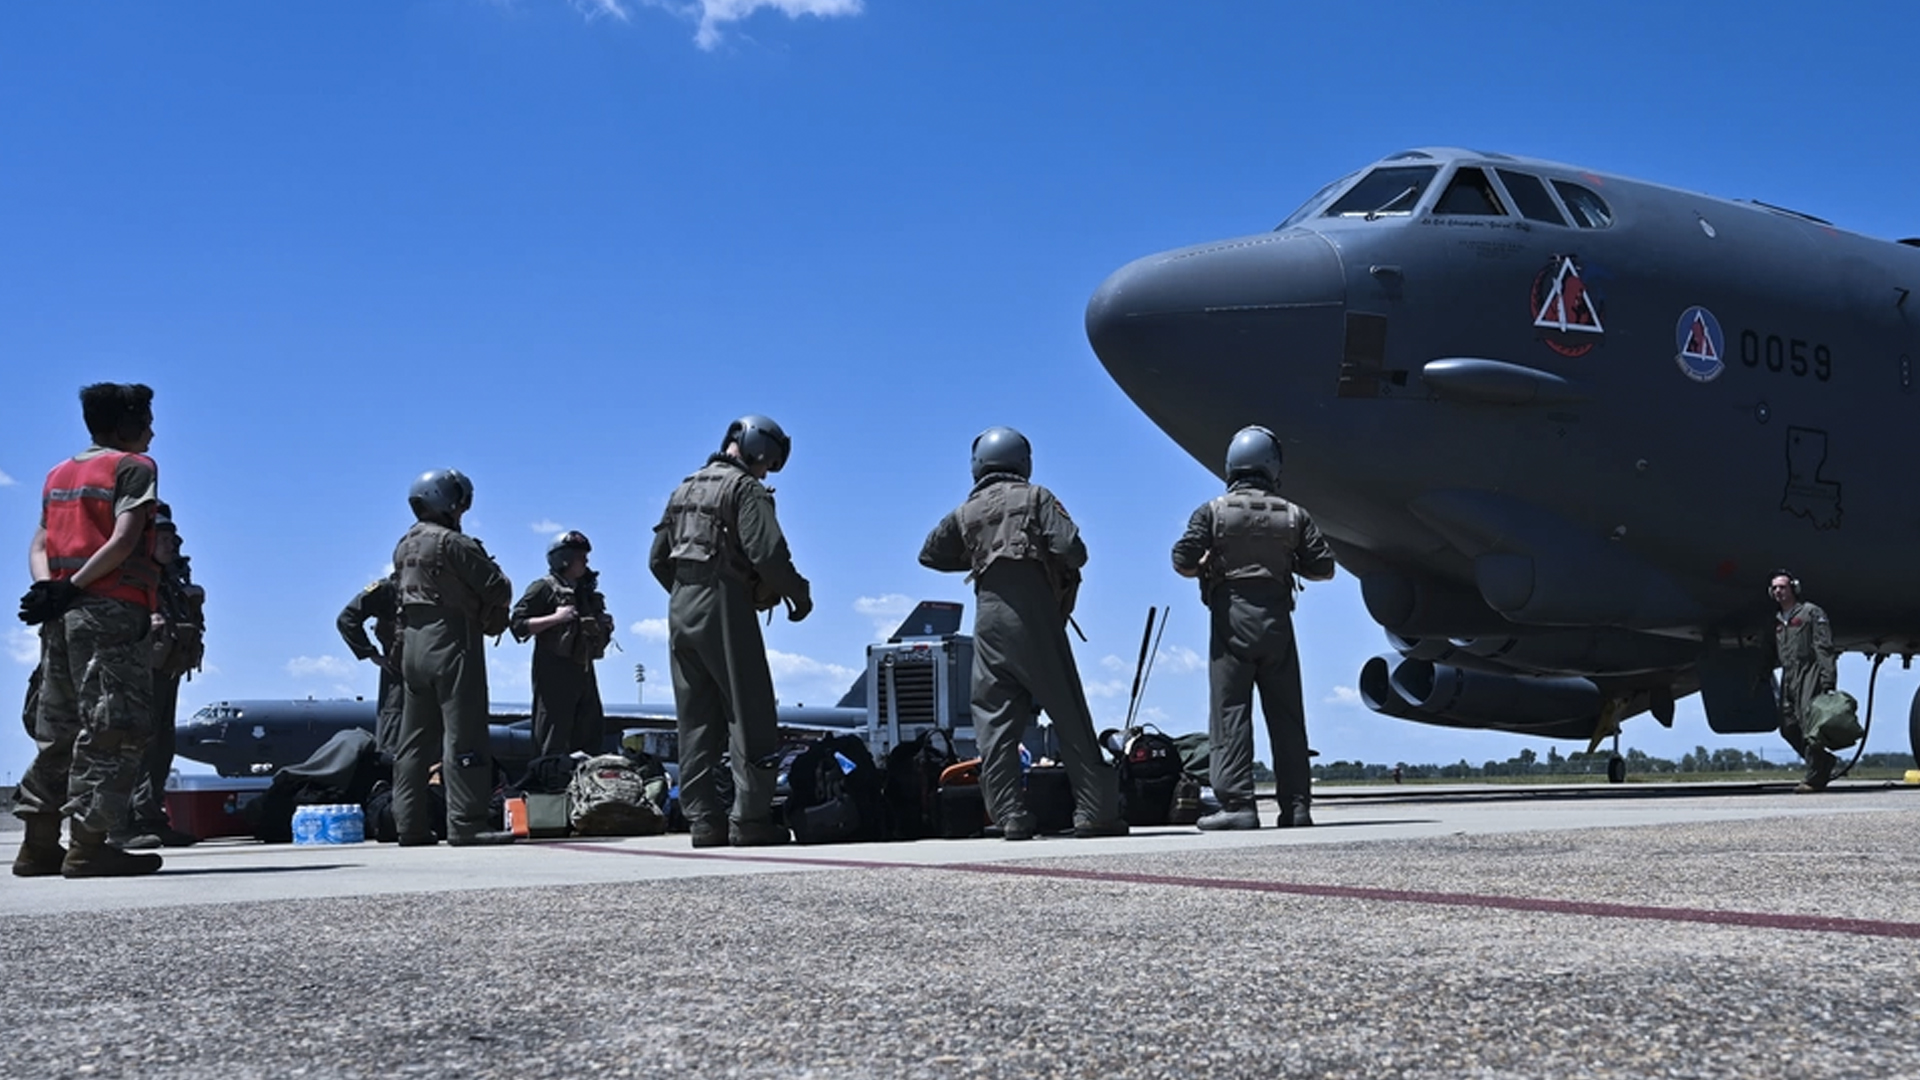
(1721, 934)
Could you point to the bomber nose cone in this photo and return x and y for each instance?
(1206, 337)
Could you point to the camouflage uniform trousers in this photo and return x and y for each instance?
(95, 715)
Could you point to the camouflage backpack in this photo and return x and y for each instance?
(608, 797)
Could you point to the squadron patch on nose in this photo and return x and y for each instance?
(1566, 309)
(1697, 335)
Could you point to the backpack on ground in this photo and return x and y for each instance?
(913, 784)
(608, 797)
(834, 793)
(962, 803)
(1150, 771)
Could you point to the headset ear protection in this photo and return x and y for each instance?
(1793, 582)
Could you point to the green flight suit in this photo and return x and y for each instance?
(567, 714)
(380, 602)
(453, 596)
(719, 552)
(1803, 647)
(1253, 543)
(1022, 661)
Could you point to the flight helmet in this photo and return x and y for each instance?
(560, 552)
(1002, 450)
(762, 442)
(443, 494)
(1254, 454)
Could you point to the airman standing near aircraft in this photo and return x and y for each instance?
(453, 596)
(567, 619)
(720, 553)
(1803, 647)
(177, 647)
(1245, 547)
(95, 587)
(1024, 556)
(379, 601)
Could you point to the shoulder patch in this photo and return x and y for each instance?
(372, 587)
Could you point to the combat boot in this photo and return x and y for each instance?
(1296, 814)
(1238, 817)
(756, 834)
(92, 856)
(147, 838)
(480, 839)
(40, 853)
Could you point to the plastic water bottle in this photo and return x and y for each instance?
(347, 824)
(1026, 759)
(846, 763)
(309, 825)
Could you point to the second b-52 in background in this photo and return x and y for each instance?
(1561, 425)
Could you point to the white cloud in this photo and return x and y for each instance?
(712, 15)
(654, 630)
(1112, 688)
(885, 611)
(23, 645)
(1343, 695)
(600, 9)
(547, 527)
(1178, 660)
(802, 680)
(7, 481)
(333, 667)
(793, 666)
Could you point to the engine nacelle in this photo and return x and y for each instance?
(1561, 708)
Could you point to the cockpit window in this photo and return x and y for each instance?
(1313, 205)
(1531, 196)
(1469, 193)
(1392, 189)
(1588, 209)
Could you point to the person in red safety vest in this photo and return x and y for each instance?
(95, 587)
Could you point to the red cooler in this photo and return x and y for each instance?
(210, 806)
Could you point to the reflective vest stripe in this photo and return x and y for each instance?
(78, 504)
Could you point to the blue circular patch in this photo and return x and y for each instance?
(1697, 335)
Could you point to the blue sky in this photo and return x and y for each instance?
(559, 245)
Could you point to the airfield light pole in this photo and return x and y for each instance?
(640, 683)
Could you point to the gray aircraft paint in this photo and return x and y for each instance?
(1560, 450)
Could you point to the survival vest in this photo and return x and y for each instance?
(1254, 536)
(78, 502)
(996, 522)
(425, 577)
(703, 519)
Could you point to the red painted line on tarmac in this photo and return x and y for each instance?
(1818, 924)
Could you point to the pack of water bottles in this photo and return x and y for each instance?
(330, 823)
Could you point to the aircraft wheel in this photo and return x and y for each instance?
(1913, 727)
(1616, 770)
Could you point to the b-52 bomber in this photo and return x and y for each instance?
(1562, 426)
(259, 737)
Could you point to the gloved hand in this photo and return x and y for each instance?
(799, 607)
(47, 600)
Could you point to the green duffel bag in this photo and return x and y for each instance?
(1833, 720)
